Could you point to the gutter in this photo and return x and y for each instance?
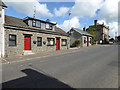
(33, 30)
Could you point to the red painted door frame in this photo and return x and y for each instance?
(87, 41)
(57, 44)
(27, 43)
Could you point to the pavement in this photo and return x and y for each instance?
(44, 54)
(92, 67)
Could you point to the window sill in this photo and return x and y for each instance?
(12, 46)
(39, 46)
(63, 45)
(50, 45)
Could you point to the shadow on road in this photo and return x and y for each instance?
(35, 79)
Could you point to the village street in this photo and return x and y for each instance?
(93, 67)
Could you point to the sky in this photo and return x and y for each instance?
(83, 12)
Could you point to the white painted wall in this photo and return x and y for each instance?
(89, 41)
(84, 44)
(2, 33)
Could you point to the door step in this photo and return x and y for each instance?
(28, 52)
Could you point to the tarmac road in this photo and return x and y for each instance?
(93, 67)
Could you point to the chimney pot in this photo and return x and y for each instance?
(95, 22)
(84, 29)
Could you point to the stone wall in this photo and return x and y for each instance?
(19, 49)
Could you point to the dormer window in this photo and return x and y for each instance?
(30, 22)
(38, 24)
(34, 23)
(51, 27)
(47, 26)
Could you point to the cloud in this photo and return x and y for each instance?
(102, 21)
(27, 7)
(62, 11)
(109, 10)
(84, 8)
(67, 25)
(113, 29)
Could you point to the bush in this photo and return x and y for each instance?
(93, 42)
(76, 43)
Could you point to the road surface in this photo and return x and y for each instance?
(93, 67)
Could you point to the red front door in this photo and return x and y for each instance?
(27, 43)
(57, 44)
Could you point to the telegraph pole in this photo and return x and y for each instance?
(69, 19)
(115, 36)
(34, 15)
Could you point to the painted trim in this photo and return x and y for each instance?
(2, 32)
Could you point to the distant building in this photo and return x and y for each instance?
(84, 37)
(101, 32)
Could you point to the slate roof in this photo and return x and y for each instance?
(16, 22)
(82, 32)
(2, 4)
(59, 30)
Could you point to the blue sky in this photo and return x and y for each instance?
(83, 13)
(85, 21)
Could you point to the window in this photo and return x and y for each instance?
(39, 41)
(47, 26)
(84, 39)
(38, 24)
(64, 42)
(51, 41)
(34, 23)
(30, 22)
(51, 27)
(12, 40)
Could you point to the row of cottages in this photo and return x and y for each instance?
(84, 37)
(101, 32)
(30, 35)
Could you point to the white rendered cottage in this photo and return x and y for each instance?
(2, 32)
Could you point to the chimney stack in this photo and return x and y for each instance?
(84, 29)
(95, 22)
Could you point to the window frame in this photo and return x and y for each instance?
(90, 40)
(33, 22)
(46, 25)
(84, 40)
(53, 42)
(62, 42)
(13, 40)
(39, 41)
(39, 24)
(30, 22)
(50, 26)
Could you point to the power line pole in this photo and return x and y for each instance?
(69, 19)
(34, 15)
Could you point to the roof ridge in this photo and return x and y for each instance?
(82, 32)
(13, 17)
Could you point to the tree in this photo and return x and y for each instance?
(92, 31)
